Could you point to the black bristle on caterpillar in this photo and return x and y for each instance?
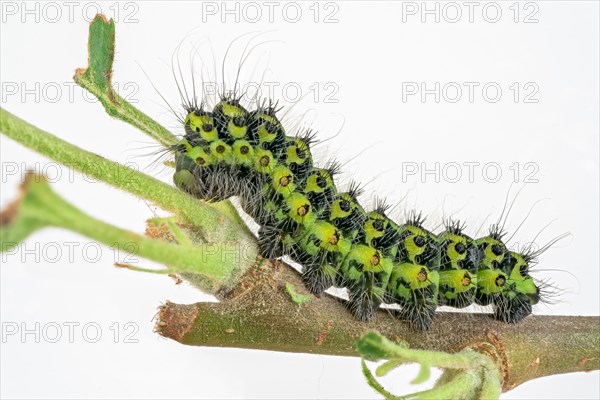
(231, 151)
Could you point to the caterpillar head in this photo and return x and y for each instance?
(184, 177)
(512, 308)
(200, 125)
(196, 173)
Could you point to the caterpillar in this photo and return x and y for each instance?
(231, 151)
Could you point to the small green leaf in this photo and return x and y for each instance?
(295, 296)
(389, 366)
(375, 347)
(101, 46)
(97, 79)
(424, 374)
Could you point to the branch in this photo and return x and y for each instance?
(260, 314)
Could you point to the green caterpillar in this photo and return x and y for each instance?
(231, 151)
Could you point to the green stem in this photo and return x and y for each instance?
(375, 384)
(39, 206)
(217, 225)
(119, 108)
(462, 386)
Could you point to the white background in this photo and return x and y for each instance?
(369, 55)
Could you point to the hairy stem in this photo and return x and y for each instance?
(40, 207)
(217, 225)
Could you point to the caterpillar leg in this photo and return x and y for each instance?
(419, 315)
(363, 302)
(253, 200)
(456, 300)
(512, 310)
(209, 184)
(318, 278)
(270, 242)
(221, 184)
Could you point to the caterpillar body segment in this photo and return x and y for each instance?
(231, 151)
(460, 259)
